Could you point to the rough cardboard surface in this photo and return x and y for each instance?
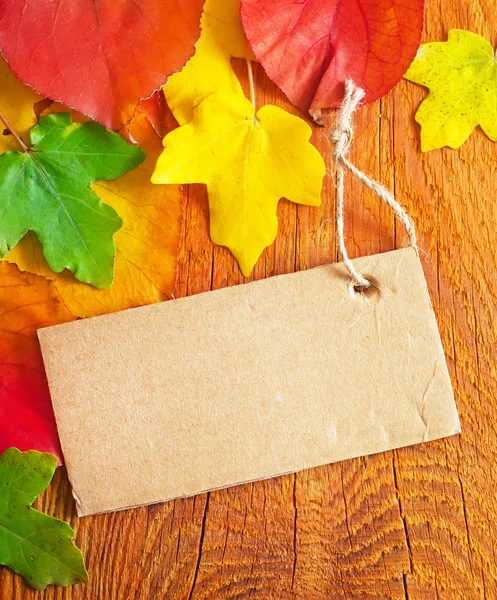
(247, 382)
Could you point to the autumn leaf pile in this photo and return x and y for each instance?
(91, 171)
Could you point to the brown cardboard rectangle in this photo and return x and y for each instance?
(247, 382)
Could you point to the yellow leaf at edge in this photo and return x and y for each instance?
(148, 243)
(462, 78)
(209, 70)
(16, 105)
(248, 162)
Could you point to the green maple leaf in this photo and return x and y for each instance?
(461, 75)
(34, 545)
(47, 190)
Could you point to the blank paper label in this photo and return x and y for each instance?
(247, 382)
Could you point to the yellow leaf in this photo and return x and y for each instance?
(148, 243)
(209, 70)
(462, 77)
(248, 162)
(16, 105)
(222, 20)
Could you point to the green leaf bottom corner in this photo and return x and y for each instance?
(34, 545)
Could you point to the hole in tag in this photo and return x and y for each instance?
(370, 292)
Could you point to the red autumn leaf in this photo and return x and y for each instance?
(310, 47)
(100, 57)
(27, 302)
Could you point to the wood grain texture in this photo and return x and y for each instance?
(418, 523)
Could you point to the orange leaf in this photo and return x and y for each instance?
(27, 302)
(153, 109)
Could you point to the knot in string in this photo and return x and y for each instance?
(343, 133)
(342, 137)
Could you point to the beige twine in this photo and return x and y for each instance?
(342, 138)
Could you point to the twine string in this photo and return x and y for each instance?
(342, 137)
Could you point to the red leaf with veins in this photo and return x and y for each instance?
(310, 47)
(98, 56)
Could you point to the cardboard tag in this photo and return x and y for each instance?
(247, 382)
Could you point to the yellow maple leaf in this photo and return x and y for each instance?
(461, 75)
(248, 162)
(209, 70)
(146, 246)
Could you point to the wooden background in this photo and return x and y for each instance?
(418, 523)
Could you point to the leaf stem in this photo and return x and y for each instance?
(12, 132)
(251, 83)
